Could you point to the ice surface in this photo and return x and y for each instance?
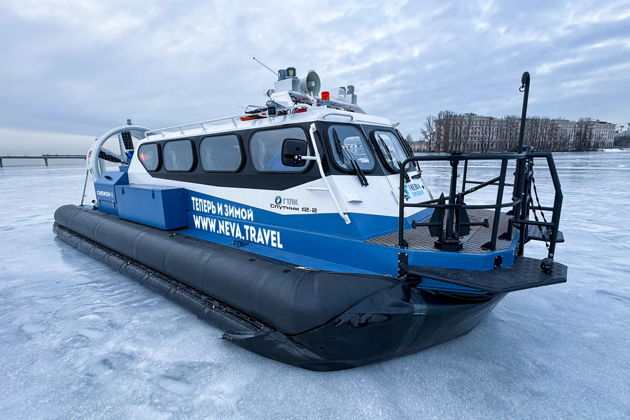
(79, 340)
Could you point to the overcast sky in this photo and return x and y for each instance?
(82, 67)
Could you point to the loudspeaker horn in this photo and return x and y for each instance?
(310, 84)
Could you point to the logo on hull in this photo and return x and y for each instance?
(104, 194)
(413, 190)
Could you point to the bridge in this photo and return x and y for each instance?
(45, 157)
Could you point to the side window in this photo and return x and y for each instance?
(178, 155)
(149, 156)
(220, 153)
(266, 149)
(393, 152)
(348, 145)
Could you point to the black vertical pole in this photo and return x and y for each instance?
(557, 205)
(523, 167)
(451, 199)
(497, 206)
(524, 88)
(401, 208)
(465, 175)
(519, 173)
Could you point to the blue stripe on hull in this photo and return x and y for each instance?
(323, 241)
(363, 226)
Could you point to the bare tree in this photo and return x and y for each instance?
(428, 131)
(444, 125)
(584, 135)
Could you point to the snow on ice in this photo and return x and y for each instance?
(78, 340)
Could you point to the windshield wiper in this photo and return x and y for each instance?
(359, 172)
(386, 150)
(357, 168)
(338, 146)
(341, 151)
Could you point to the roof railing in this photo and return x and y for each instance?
(236, 121)
(200, 124)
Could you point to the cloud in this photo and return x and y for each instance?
(84, 66)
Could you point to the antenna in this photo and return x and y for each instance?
(265, 66)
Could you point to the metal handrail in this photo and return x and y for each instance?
(328, 183)
(519, 202)
(201, 124)
(353, 117)
(337, 114)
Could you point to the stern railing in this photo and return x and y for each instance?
(450, 222)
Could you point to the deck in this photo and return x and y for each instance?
(420, 240)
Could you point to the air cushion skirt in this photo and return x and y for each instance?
(314, 319)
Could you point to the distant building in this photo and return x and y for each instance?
(603, 134)
(567, 130)
(477, 133)
(484, 132)
(622, 137)
(419, 146)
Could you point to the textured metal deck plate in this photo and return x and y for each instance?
(525, 273)
(534, 233)
(419, 238)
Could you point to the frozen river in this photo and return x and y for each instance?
(80, 341)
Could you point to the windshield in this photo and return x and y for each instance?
(389, 145)
(348, 146)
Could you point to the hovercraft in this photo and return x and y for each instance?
(304, 229)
